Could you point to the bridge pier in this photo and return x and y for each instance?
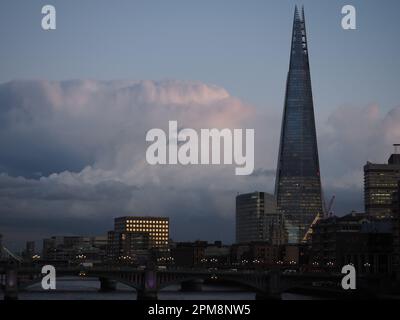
(273, 288)
(107, 285)
(192, 285)
(149, 290)
(11, 285)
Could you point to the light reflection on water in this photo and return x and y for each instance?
(77, 289)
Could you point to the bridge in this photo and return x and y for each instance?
(267, 284)
(146, 282)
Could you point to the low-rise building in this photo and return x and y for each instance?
(217, 254)
(189, 254)
(356, 238)
(74, 249)
(256, 253)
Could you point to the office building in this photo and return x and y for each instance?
(137, 239)
(380, 182)
(157, 228)
(358, 239)
(396, 231)
(130, 247)
(258, 219)
(298, 183)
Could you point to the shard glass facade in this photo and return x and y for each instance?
(298, 184)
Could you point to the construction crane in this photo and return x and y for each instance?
(327, 213)
(329, 210)
(8, 254)
(307, 236)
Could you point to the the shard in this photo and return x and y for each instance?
(298, 183)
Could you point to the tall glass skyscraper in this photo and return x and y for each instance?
(298, 183)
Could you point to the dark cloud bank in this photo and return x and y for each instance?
(73, 156)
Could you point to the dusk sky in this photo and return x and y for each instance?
(76, 103)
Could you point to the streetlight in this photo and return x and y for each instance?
(367, 265)
(279, 262)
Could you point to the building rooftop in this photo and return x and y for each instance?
(141, 218)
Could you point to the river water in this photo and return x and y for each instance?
(73, 288)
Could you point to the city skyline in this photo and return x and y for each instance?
(71, 163)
